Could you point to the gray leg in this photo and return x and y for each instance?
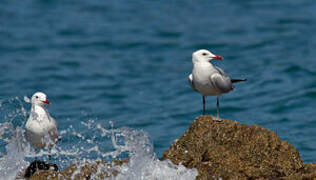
(50, 160)
(217, 107)
(35, 154)
(203, 97)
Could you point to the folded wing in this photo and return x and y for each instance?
(190, 78)
(221, 82)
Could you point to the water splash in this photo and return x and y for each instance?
(144, 164)
(84, 143)
(13, 162)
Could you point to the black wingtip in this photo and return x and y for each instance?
(238, 80)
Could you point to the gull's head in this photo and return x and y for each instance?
(204, 55)
(40, 99)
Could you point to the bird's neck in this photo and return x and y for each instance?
(203, 64)
(39, 110)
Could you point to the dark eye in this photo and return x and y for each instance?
(36, 97)
(204, 54)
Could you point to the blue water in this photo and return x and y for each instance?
(127, 62)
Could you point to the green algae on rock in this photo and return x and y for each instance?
(231, 150)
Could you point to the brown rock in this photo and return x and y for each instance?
(306, 173)
(231, 150)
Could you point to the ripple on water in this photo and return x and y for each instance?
(169, 34)
(69, 64)
(310, 94)
(295, 20)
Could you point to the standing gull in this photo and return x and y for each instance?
(208, 79)
(40, 123)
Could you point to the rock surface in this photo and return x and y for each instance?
(231, 150)
(87, 171)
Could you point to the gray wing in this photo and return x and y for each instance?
(221, 72)
(224, 74)
(221, 81)
(190, 78)
(53, 132)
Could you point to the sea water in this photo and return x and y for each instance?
(127, 62)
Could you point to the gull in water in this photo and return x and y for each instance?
(208, 79)
(40, 123)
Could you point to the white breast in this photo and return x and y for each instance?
(201, 77)
(39, 124)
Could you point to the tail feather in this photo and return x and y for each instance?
(237, 80)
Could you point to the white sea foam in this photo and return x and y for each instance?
(12, 163)
(84, 143)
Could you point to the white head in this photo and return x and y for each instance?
(40, 99)
(204, 55)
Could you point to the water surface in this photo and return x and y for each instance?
(128, 62)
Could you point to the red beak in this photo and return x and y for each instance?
(46, 101)
(218, 57)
